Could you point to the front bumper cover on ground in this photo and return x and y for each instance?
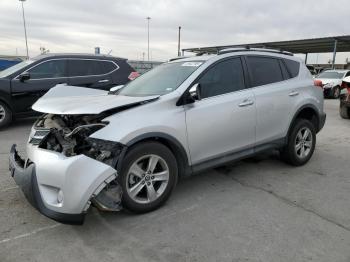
(25, 178)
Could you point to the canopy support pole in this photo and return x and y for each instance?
(334, 52)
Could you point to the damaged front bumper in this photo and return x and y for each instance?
(59, 187)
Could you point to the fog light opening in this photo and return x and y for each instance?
(60, 196)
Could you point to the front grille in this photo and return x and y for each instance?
(35, 141)
(41, 133)
(38, 136)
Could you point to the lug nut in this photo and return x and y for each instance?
(143, 175)
(143, 181)
(148, 183)
(152, 177)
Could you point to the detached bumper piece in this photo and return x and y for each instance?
(25, 178)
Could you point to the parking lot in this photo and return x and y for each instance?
(256, 210)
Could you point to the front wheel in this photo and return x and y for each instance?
(301, 143)
(5, 115)
(148, 176)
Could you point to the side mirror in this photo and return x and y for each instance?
(192, 95)
(114, 89)
(24, 77)
(194, 91)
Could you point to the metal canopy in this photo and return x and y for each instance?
(303, 46)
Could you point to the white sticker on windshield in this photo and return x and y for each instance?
(196, 64)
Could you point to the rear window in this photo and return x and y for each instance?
(292, 66)
(264, 70)
(81, 67)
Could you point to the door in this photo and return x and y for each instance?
(223, 120)
(91, 73)
(43, 76)
(274, 96)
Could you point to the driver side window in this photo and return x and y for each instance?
(224, 77)
(49, 69)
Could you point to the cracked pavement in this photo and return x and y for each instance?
(258, 209)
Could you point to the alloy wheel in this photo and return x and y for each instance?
(303, 142)
(2, 113)
(147, 179)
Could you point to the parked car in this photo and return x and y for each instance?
(127, 148)
(331, 81)
(344, 108)
(6, 63)
(22, 84)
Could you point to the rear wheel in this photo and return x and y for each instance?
(5, 115)
(344, 111)
(336, 92)
(301, 143)
(148, 176)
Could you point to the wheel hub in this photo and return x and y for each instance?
(303, 142)
(147, 179)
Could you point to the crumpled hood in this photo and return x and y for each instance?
(73, 100)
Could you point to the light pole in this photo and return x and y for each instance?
(178, 43)
(25, 29)
(148, 18)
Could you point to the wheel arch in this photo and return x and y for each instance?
(172, 143)
(309, 112)
(6, 102)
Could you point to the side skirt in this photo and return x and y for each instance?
(238, 155)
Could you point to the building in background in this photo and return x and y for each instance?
(143, 66)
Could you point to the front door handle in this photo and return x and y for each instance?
(246, 102)
(103, 81)
(293, 93)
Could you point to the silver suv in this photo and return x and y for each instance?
(127, 147)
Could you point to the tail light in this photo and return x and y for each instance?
(133, 75)
(318, 83)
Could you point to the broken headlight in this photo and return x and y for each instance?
(105, 151)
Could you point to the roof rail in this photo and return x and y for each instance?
(177, 58)
(247, 48)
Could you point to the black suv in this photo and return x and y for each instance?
(22, 84)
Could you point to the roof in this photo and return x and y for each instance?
(75, 55)
(303, 46)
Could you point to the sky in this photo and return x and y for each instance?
(120, 26)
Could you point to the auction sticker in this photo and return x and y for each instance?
(195, 64)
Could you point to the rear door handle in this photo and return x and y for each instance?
(103, 81)
(293, 93)
(246, 102)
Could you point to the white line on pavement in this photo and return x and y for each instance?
(29, 233)
(8, 188)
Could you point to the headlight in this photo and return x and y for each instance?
(105, 151)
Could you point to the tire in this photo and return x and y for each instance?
(5, 115)
(291, 154)
(336, 92)
(137, 162)
(344, 111)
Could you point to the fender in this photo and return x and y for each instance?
(6, 98)
(175, 146)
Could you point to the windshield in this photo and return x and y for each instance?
(161, 80)
(15, 68)
(331, 75)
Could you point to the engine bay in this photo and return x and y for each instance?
(69, 135)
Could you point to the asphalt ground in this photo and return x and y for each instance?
(254, 210)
